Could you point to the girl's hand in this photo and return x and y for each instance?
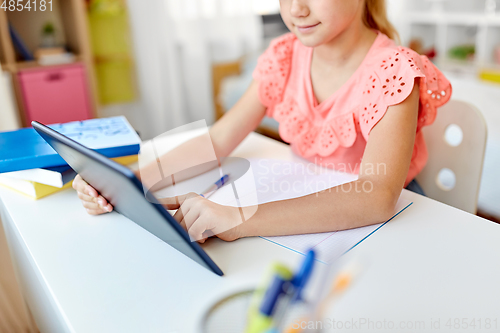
(94, 203)
(202, 218)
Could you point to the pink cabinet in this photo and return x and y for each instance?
(55, 94)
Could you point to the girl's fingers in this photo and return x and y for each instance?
(91, 205)
(98, 211)
(79, 184)
(100, 201)
(197, 229)
(176, 202)
(94, 203)
(85, 197)
(95, 211)
(170, 203)
(183, 225)
(173, 202)
(179, 214)
(91, 191)
(185, 205)
(190, 217)
(108, 208)
(82, 186)
(206, 235)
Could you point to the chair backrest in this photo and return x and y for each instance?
(453, 172)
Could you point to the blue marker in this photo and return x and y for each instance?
(217, 185)
(293, 293)
(299, 281)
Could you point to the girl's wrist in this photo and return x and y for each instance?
(240, 230)
(246, 229)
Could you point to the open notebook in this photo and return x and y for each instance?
(331, 245)
(259, 181)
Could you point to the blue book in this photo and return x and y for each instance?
(24, 149)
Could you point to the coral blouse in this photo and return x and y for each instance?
(334, 133)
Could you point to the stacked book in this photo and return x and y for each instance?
(30, 166)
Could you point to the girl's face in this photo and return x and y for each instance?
(317, 22)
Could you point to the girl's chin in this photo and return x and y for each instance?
(309, 40)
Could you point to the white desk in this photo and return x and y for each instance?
(105, 274)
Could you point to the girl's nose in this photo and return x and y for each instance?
(299, 8)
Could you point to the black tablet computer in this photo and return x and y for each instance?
(125, 192)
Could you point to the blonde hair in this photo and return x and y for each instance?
(375, 17)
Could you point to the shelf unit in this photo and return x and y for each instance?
(70, 21)
(444, 24)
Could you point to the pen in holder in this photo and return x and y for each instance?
(228, 314)
(337, 278)
(231, 314)
(271, 307)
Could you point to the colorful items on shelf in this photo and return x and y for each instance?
(34, 40)
(19, 44)
(111, 45)
(417, 46)
(491, 75)
(49, 56)
(55, 94)
(462, 52)
(48, 35)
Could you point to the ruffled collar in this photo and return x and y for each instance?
(326, 105)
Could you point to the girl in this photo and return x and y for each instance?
(344, 94)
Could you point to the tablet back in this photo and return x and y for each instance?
(124, 191)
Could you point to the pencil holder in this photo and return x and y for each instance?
(230, 315)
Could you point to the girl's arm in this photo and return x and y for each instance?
(390, 144)
(226, 134)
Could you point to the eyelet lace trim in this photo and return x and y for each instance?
(390, 83)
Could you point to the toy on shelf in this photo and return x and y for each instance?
(49, 56)
(462, 52)
(50, 53)
(491, 75)
(417, 46)
(48, 35)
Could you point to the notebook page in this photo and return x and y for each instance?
(330, 246)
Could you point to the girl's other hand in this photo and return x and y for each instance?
(94, 203)
(202, 218)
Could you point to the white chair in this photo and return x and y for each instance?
(9, 119)
(456, 142)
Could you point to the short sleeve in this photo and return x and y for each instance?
(273, 70)
(391, 81)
